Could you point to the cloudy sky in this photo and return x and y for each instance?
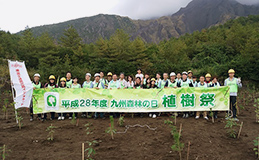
(15, 15)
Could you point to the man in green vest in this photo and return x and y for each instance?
(114, 83)
(202, 84)
(69, 79)
(103, 80)
(164, 83)
(36, 85)
(234, 84)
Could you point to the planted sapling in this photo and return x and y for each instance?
(256, 146)
(121, 121)
(51, 131)
(4, 151)
(111, 129)
(256, 105)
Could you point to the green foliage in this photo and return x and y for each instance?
(110, 130)
(177, 146)
(51, 131)
(121, 121)
(256, 146)
(256, 105)
(87, 128)
(90, 150)
(214, 50)
(230, 126)
(73, 120)
(4, 150)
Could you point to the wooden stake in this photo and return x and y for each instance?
(175, 118)
(240, 130)
(180, 130)
(83, 151)
(4, 152)
(258, 148)
(77, 121)
(188, 150)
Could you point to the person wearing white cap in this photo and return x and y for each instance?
(88, 82)
(172, 83)
(185, 82)
(36, 85)
(97, 84)
(164, 82)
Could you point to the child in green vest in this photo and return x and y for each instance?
(234, 84)
(130, 83)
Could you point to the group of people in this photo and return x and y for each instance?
(140, 81)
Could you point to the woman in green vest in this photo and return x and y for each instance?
(51, 84)
(88, 82)
(147, 85)
(234, 84)
(36, 85)
(172, 83)
(75, 84)
(130, 83)
(61, 116)
(137, 84)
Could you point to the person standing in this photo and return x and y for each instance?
(130, 83)
(207, 79)
(164, 82)
(97, 85)
(87, 83)
(139, 74)
(202, 84)
(234, 84)
(122, 82)
(178, 78)
(114, 83)
(158, 79)
(61, 116)
(36, 85)
(69, 80)
(51, 84)
(172, 83)
(109, 78)
(103, 80)
(75, 84)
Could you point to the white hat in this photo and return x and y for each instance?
(88, 74)
(185, 73)
(36, 75)
(97, 74)
(172, 74)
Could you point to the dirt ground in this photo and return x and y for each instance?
(208, 141)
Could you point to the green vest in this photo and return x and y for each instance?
(68, 83)
(50, 87)
(87, 85)
(99, 86)
(163, 83)
(233, 85)
(185, 84)
(202, 86)
(113, 84)
(172, 85)
(139, 87)
(130, 87)
(37, 86)
(75, 86)
(103, 80)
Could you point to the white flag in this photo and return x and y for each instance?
(22, 84)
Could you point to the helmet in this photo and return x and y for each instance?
(231, 71)
(88, 74)
(153, 79)
(189, 71)
(63, 79)
(36, 75)
(97, 75)
(207, 75)
(109, 74)
(172, 74)
(52, 77)
(185, 73)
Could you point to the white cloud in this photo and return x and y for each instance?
(248, 2)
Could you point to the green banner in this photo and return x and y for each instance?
(130, 100)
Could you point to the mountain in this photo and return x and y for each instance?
(197, 15)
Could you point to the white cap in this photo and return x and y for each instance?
(88, 74)
(172, 74)
(36, 75)
(185, 73)
(97, 74)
